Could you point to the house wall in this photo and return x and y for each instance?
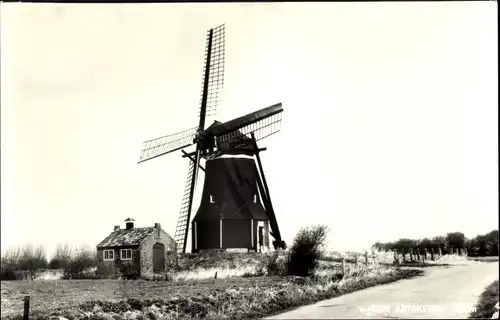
(118, 267)
(146, 251)
(256, 224)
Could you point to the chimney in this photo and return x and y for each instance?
(158, 228)
(117, 228)
(129, 223)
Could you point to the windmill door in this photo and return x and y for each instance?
(261, 236)
(158, 257)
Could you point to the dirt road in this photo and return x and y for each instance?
(444, 292)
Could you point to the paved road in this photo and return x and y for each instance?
(444, 292)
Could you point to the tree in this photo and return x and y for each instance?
(455, 240)
(379, 246)
(10, 264)
(26, 258)
(11, 257)
(306, 250)
(492, 243)
(61, 258)
(425, 243)
(406, 246)
(439, 243)
(389, 246)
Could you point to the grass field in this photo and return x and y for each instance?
(486, 305)
(66, 294)
(193, 292)
(483, 259)
(214, 299)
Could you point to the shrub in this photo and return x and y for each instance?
(8, 273)
(129, 272)
(485, 308)
(79, 265)
(273, 265)
(306, 251)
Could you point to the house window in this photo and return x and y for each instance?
(109, 255)
(126, 254)
(211, 199)
(254, 198)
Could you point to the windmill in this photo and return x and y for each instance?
(233, 187)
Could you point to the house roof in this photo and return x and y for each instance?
(126, 237)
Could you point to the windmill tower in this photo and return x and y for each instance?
(235, 209)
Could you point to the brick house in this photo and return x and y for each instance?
(134, 252)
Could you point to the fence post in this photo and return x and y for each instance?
(26, 307)
(343, 267)
(366, 259)
(356, 257)
(215, 275)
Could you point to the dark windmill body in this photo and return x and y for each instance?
(236, 211)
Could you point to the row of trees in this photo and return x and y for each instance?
(27, 261)
(481, 245)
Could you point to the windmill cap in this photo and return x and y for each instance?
(129, 220)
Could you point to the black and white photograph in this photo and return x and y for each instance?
(249, 160)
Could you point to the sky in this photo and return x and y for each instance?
(389, 127)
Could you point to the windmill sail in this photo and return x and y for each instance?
(262, 123)
(183, 221)
(166, 144)
(213, 80)
(216, 51)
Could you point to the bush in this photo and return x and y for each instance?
(485, 308)
(306, 251)
(272, 265)
(8, 273)
(79, 265)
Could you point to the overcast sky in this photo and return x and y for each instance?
(389, 129)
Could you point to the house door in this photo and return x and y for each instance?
(158, 257)
(261, 238)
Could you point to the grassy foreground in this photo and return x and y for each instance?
(233, 297)
(487, 301)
